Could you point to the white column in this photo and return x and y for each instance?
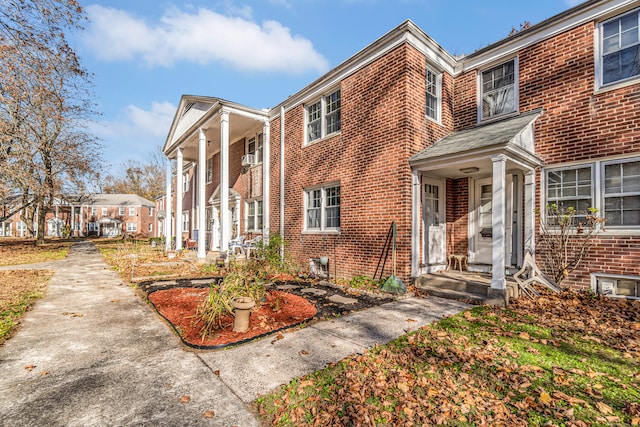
(73, 221)
(266, 181)
(415, 223)
(529, 211)
(498, 222)
(202, 172)
(179, 187)
(225, 219)
(82, 209)
(167, 208)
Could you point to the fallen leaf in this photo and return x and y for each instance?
(185, 399)
(635, 421)
(115, 300)
(545, 398)
(43, 373)
(524, 335)
(304, 352)
(404, 387)
(30, 367)
(216, 373)
(209, 414)
(411, 320)
(604, 408)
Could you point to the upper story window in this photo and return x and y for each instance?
(620, 48)
(150, 211)
(94, 210)
(104, 210)
(209, 170)
(433, 90)
(323, 116)
(323, 209)
(254, 147)
(132, 211)
(185, 182)
(121, 210)
(498, 87)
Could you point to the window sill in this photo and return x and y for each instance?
(319, 140)
(617, 85)
(492, 119)
(325, 232)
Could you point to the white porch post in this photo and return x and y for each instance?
(179, 186)
(498, 223)
(82, 209)
(415, 223)
(202, 172)
(529, 211)
(73, 221)
(225, 219)
(266, 180)
(167, 208)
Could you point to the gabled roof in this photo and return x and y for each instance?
(119, 200)
(512, 131)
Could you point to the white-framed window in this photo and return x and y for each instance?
(208, 213)
(209, 170)
(185, 182)
(104, 210)
(254, 215)
(322, 208)
(255, 145)
(610, 186)
(132, 227)
(433, 94)
(619, 45)
(93, 226)
(185, 220)
(498, 88)
(620, 286)
(120, 210)
(94, 210)
(132, 211)
(323, 116)
(150, 211)
(21, 226)
(622, 193)
(571, 187)
(150, 227)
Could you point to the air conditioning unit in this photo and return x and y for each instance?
(248, 160)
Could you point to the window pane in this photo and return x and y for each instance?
(313, 119)
(621, 48)
(333, 112)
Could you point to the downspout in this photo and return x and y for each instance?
(282, 183)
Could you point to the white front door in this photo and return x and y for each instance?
(482, 249)
(435, 223)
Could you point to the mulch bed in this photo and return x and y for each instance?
(177, 301)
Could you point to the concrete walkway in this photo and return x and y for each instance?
(93, 353)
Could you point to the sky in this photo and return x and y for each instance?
(146, 54)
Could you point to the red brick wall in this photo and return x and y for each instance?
(457, 216)
(578, 124)
(383, 124)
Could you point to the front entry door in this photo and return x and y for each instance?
(483, 221)
(434, 222)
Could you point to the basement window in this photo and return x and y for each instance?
(616, 286)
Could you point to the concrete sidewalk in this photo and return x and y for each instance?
(93, 353)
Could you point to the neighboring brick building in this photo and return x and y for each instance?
(108, 215)
(458, 152)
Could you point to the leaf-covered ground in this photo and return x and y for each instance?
(566, 360)
(14, 251)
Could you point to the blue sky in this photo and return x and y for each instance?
(145, 54)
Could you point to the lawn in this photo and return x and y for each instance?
(571, 360)
(19, 289)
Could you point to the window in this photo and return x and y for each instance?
(254, 215)
(132, 227)
(93, 226)
(209, 219)
(433, 94)
(254, 147)
(150, 211)
(620, 48)
(185, 182)
(132, 211)
(209, 170)
(323, 209)
(150, 228)
(104, 210)
(571, 188)
(622, 193)
(615, 193)
(323, 116)
(498, 89)
(94, 210)
(617, 286)
(121, 210)
(185, 221)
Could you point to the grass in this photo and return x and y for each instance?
(19, 290)
(15, 251)
(571, 360)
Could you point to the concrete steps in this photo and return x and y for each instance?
(468, 287)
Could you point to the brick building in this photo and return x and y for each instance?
(459, 152)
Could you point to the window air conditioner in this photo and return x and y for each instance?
(248, 160)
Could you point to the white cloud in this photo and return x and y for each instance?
(201, 37)
(155, 121)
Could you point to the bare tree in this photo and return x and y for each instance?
(44, 103)
(144, 179)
